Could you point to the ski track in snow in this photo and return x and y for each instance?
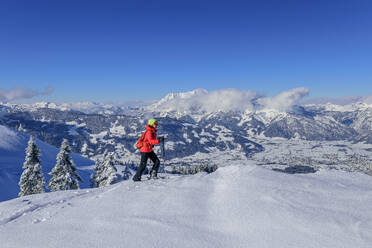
(31, 207)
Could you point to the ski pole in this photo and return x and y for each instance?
(163, 154)
(163, 150)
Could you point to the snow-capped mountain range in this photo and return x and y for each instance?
(128, 107)
(197, 124)
(196, 121)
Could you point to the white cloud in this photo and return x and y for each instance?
(202, 101)
(368, 100)
(285, 100)
(22, 92)
(228, 100)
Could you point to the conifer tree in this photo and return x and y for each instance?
(97, 168)
(104, 171)
(32, 179)
(64, 174)
(21, 129)
(126, 172)
(84, 149)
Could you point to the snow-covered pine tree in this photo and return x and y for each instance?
(32, 179)
(96, 170)
(104, 171)
(64, 174)
(126, 172)
(21, 129)
(84, 149)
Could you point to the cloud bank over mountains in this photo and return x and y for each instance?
(284, 101)
(200, 100)
(22, 92)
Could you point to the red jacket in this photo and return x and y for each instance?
(150, 139)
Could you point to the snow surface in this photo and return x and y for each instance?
(237, 206)
(12, 155)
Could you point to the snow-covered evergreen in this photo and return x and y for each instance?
(84, 149)
(20, 128)
(104, 171)
(32, 179)
(64, 174)
(126, 173)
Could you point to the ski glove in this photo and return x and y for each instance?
(161, 139)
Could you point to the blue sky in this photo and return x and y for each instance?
(128, 50)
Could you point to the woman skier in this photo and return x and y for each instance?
(148, 142)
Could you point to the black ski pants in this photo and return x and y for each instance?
(144, 157)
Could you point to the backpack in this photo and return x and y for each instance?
(140, 142)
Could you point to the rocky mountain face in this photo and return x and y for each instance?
(91, 134)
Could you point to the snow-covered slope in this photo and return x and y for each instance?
(12, 155)
(237, 206)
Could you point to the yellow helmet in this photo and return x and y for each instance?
(151, 122)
